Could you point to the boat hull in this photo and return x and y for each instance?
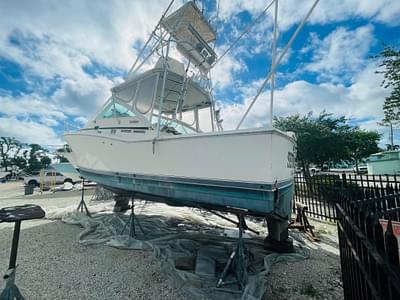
(247, 170)
(271, 199)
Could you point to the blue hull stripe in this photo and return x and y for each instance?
(258, 199)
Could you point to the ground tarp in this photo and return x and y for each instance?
(193, 246)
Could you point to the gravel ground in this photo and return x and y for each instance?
(52, 265)
(318, 277)
(59, 268)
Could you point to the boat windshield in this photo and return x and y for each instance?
(180, 127)
(114, 109)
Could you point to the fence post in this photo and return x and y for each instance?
(392, 246)
(344, 180)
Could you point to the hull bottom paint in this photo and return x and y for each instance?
(258, 200)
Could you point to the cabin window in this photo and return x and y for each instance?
(145, 94)
(115, 109)
(53, 174)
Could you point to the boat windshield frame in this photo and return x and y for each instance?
(180, 126)
(184, 125)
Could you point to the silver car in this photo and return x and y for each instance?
(49, 177)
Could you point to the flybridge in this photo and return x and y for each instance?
(173, 87)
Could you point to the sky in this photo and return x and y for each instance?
(59, 59)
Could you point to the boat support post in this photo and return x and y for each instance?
(278, 239)
(82, 205)
(132, 221)
(245, 227)
(238, 258)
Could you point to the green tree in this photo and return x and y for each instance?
(9, 149)
(35, 154)
(319, 140)
(45, 161)
(361, 144)
(60, 155)
(391, 63)
(326, 139)
(20, 162)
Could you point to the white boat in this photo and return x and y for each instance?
(138, 142)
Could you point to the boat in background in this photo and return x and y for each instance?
(141, 142)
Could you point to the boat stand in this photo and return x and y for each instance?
(302, 222)
(237, 259)
(16, 215)
(82, 205)
(245, 227)
(132, 221)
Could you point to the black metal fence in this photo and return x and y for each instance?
(367, 211)
(320, 191)
(369, 241)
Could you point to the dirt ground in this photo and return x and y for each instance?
(53, 265)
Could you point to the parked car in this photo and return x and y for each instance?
(361, 170)
(49, 177)
(314, 170)
(4, 176)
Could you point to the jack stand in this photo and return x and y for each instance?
(16, 215)
(238, 259)
(132, 221)
(82, 205)
(302, 222)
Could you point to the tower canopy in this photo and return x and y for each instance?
(192, 34)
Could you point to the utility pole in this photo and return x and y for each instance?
(391, 136)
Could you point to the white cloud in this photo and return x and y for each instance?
(28, 131)
(30, 105)
(64, 38)
(103, 31)
(55, 47)
(82, 96)
(223, 72)
(361, 101)
(81, 120)
(341, 53)
(292, 11)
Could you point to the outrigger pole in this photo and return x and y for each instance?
(271, 107)
(274, 65)
(244, 32)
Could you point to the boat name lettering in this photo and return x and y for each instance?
(290, 160)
